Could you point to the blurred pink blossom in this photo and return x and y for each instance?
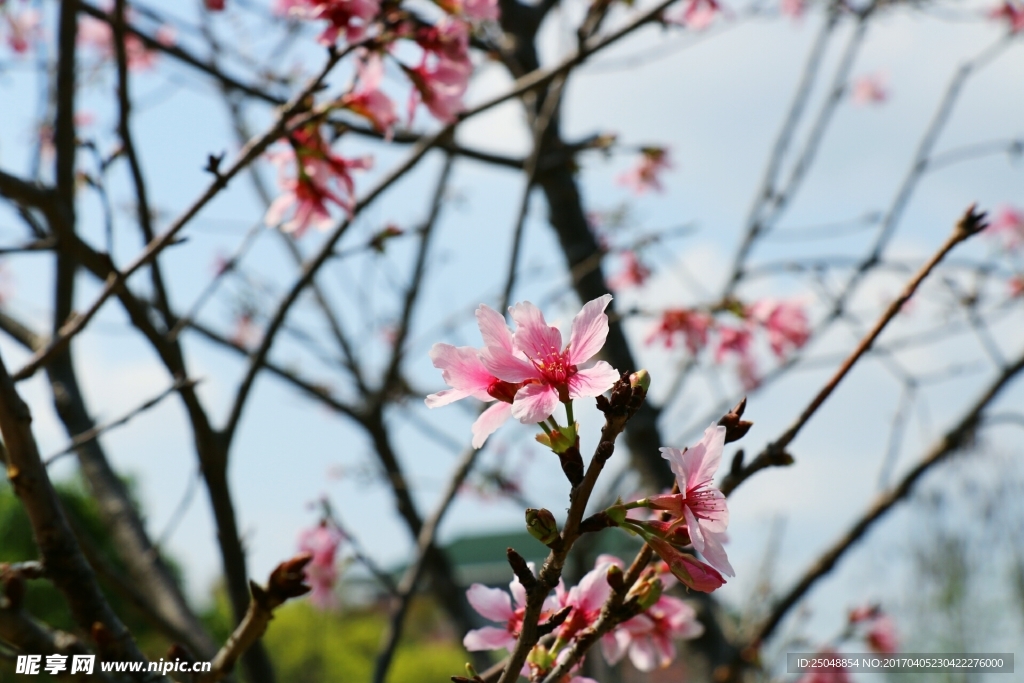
(784, 321)
(1012, 12)
(322, 543)
(881, 637)
(648, 637)
(691, 325)
(351, 17)
(645, 175)
(367, 100)
(870, 89)
(1008, 224)
(22, 28)
(792, 8)
(696, 15)
(633, 274)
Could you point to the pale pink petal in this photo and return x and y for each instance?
(533, 336)
(593, 589)
(278, 208)
(493, 328)
(643, 655)
(461, 369)
(505, 366)
(444, 397)
(534, 403)
(614, 645)
(488, 638)
(714, 552)
(696, 533)
(589, 330)
(489, 421)
(518, 592)
(593, 381)
(702, 460)
(492, 603)
(665, 649)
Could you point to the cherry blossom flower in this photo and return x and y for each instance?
(633, 274)
(784, 321)
(690, 571)
(648, 637)
(367, 100)
(474, 10)
(792, 8)
(881, 637)
(699, 502)
(23, 29)
(496, 605)
(352, 17)
(322, 177)
(695, 15)
(1012, 12)
(587, 597)
(691, 325)
(1008, 224)
(549, 372)
(99, 36)
(440, 88)
(462, 370)
(733, 340)
(645, 175)
(870, 89)
(321, 573)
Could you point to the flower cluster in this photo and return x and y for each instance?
(527, 372)
(321, 176)
(647, 638)
(22, 27)
(783, 322)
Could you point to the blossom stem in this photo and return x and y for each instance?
(544, 426)
(568, 412)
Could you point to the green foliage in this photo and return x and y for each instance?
(310, 646)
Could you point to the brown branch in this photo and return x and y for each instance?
(66, 567)
(774, 454)
(956, 439)
(32, 637)
(286, 582)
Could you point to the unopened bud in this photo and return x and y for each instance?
(735, 428)
(541, 658)
(542, 525)
(642, 379)
(615, 578)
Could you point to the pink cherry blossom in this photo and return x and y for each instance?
(870, 89)
(352, 17)
(691, 325)
(496, 605)
(1012, 12)
(792, 8)
(367, 100)
(784, 321)
(699, 502)
(695, 15)
(549, 372)
(99, 36)
(321, 177)
(633, 274)
(1016, 286)
(439, 87)
(648, 637)
(1008, 224)
(462, 370)
(321, 573)
(587, 597)
(645, 175)
(733, 340)
(214, 5)
(22, 27)
(477, 10)
(881, 635)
